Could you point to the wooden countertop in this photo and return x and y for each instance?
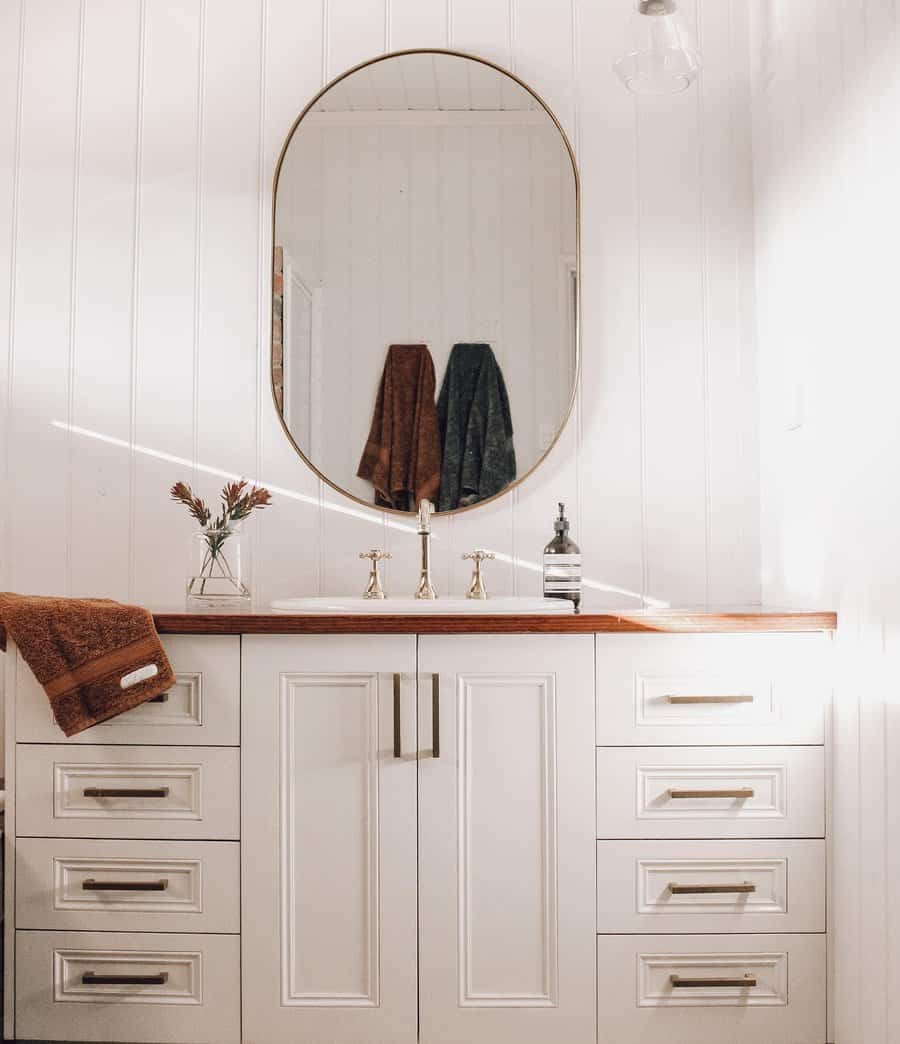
(668, 621)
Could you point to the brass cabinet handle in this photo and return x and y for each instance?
(113, 792)
(92, 979)
(711, 889)
(90, 885)
(398, 744)
(743, 793)
(435, 715)
(744, 981)
(740, 698)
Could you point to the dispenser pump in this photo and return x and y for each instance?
(562, 563)
(561, 525)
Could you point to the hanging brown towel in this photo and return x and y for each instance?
(94, 657)
(402, 457)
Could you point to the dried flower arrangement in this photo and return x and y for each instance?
(238, 500)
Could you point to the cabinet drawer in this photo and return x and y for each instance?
(710, 689)
(125, 792)
(710, 792)
(187, 989)
(138, 886)
(202, 709)
(710, 886)
(638, 1001)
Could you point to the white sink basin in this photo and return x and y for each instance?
(415, 607)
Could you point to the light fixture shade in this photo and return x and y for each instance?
(662, 57)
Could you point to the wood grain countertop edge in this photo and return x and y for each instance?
(667, 622)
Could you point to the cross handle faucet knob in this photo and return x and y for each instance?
(476, 588)
(374, 588)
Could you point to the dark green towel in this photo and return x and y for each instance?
(478, 459)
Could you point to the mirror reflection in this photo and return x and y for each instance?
(425, 313)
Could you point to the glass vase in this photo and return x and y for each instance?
(219, 578)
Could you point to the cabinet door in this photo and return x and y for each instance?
(506, 839)
(329, 843)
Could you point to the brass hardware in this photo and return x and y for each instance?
(435, 715)
(742, 982)
(742, 698)
(311, 105)
(425, 590)
(476, 588)
(90, 885)
(162, 698)
(114, 792)
(741, 793)
(374, 588)
(398, 744)
(92, 979)
(712, 889)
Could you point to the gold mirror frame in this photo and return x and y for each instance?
(571, 152)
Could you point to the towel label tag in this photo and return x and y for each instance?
(150, 670)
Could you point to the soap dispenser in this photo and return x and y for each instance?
(562, 563)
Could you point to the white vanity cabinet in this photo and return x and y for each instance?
(490, 740)
(496, 838)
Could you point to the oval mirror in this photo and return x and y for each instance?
(425, 277)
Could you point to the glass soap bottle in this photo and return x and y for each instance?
(562, 563)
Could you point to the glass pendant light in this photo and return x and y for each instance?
(662, 58)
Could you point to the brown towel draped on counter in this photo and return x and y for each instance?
(82, 650)
(402, 458)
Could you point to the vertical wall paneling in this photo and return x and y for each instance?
(102, 314)
(12, 43)
(138, 347)
(43, 298)
(417, 23)
(672, 309)
(289, 547)
(825, 103)
(542, 54)
(611, 534)
(165, 304)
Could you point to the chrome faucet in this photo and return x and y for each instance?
(426, 588)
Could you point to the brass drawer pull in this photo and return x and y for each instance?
(90, 885)
(92, 979)
(744, 982)
(740, 698)
(398, 744)
(741, 793)
(712, 889)
(114, 792)
(435, 715)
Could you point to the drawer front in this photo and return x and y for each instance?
(710, 689)
(127, 792)
(696, 792)
(138, 886)
(99, 986)
(710, 886)
(696, 989)
(202, 709)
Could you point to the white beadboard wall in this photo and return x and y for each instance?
(826, 107)
(138, 140)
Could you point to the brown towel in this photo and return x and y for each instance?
(402, 458)
(81, 649)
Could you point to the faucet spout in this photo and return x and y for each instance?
(425, 590)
